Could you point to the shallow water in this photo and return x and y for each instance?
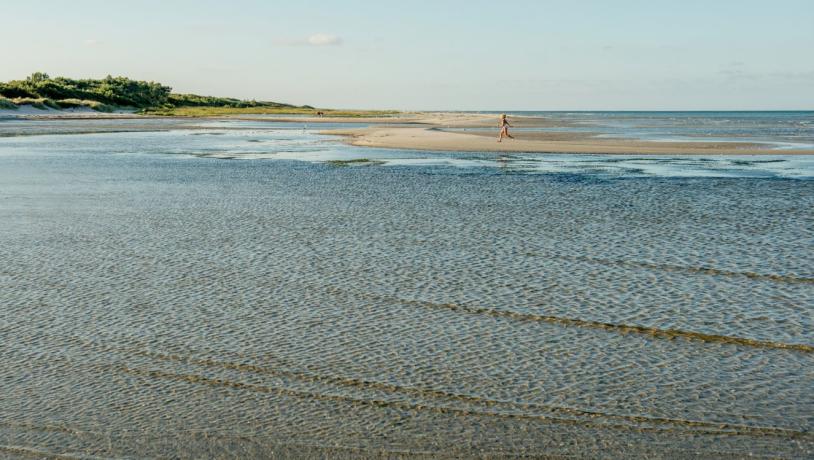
(160, 301)
(781, 130)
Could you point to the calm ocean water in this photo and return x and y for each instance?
(237, 289)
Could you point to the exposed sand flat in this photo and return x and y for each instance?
(434, 137)
(432, 119)
(316, 120)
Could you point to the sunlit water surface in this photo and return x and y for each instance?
(160, 299)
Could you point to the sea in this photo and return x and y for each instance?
(182, 288)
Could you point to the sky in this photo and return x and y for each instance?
(433, 55)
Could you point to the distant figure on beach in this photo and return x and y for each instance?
(504, 128)
(320, 114)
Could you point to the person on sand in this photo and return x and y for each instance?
(504, 128)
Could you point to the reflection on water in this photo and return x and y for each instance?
(159, 302)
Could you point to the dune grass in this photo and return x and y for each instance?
(7, 104)
(95, 105)
(42, 103)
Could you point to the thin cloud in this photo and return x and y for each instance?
(313, 40)
(737, 74)
(324, 40)
(92, 42)
(808, 76)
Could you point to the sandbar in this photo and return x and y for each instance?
(445, 132)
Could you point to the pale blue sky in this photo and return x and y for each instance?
(465, 55)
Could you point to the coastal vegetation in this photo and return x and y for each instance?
(7, 104)
(109, 94)
(40, 90)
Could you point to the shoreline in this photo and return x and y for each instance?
(432, 131)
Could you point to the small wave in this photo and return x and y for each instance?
(701, 427)
(47, 428)
(695, 270)
(440, 394)
(38, 453)
(188, 358)
(576, 322)
(622, 328)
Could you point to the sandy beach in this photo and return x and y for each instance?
(433, 131)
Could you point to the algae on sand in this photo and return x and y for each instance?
(355, 162)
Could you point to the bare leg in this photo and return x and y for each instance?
(500, 136)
